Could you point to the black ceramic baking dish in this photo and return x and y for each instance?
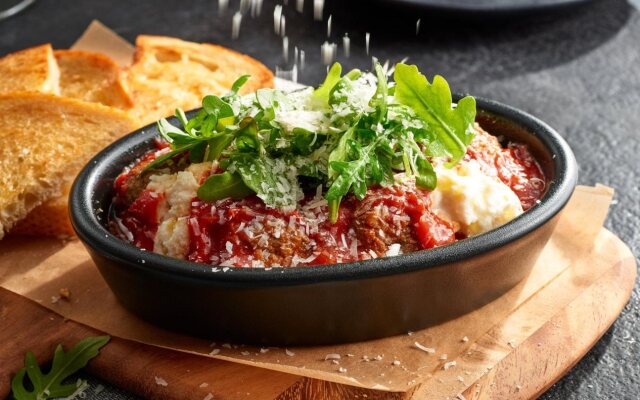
(331, 303)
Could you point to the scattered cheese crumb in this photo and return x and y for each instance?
(332, 356)
(512, 343)
(289, 352)
(208, 397)
(395, 362)
(214, 352)
(443, 357)
(245, 353)
(424, 348)
(342, 370)
(449, 365)
(465, 339)
(263, 350)
(204, 384)
(160, 381)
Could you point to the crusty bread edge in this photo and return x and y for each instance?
(50, 85)
(41, 191)
(262, 79)
(108, 63)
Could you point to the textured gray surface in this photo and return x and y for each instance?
(579, 71)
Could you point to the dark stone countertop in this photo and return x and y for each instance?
(578, 70)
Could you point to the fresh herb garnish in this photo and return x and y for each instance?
(50, 385)
(432, 102)
(354, 132)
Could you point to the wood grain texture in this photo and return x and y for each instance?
(533, 365)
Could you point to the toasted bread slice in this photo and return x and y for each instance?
(91, 77)
(45, 140)
(168, 73)
(48, 219)
(33, 70)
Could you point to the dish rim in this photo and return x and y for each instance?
(93, 233)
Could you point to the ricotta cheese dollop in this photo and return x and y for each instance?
(473, 200)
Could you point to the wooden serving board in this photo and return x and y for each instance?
(526, 371)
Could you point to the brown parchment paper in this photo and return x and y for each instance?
(100, 39)
(39, 268)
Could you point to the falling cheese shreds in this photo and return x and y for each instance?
(424, 348)
(209, 396)
(289, 352)
(214, 352)
(160, 381)
(449, 365)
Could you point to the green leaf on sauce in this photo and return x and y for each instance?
(222, 186)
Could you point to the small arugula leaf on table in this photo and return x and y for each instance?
(64, 364)
(432, 103)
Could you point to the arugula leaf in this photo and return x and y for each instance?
(379, 99)
(354, 176)
(235, 88)
(322, 93)
(269, 177)
(216, 145)
(221, 186)
(49, 385)
(167, 156)
(432, 103)
(338, 94)
(214, 105)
